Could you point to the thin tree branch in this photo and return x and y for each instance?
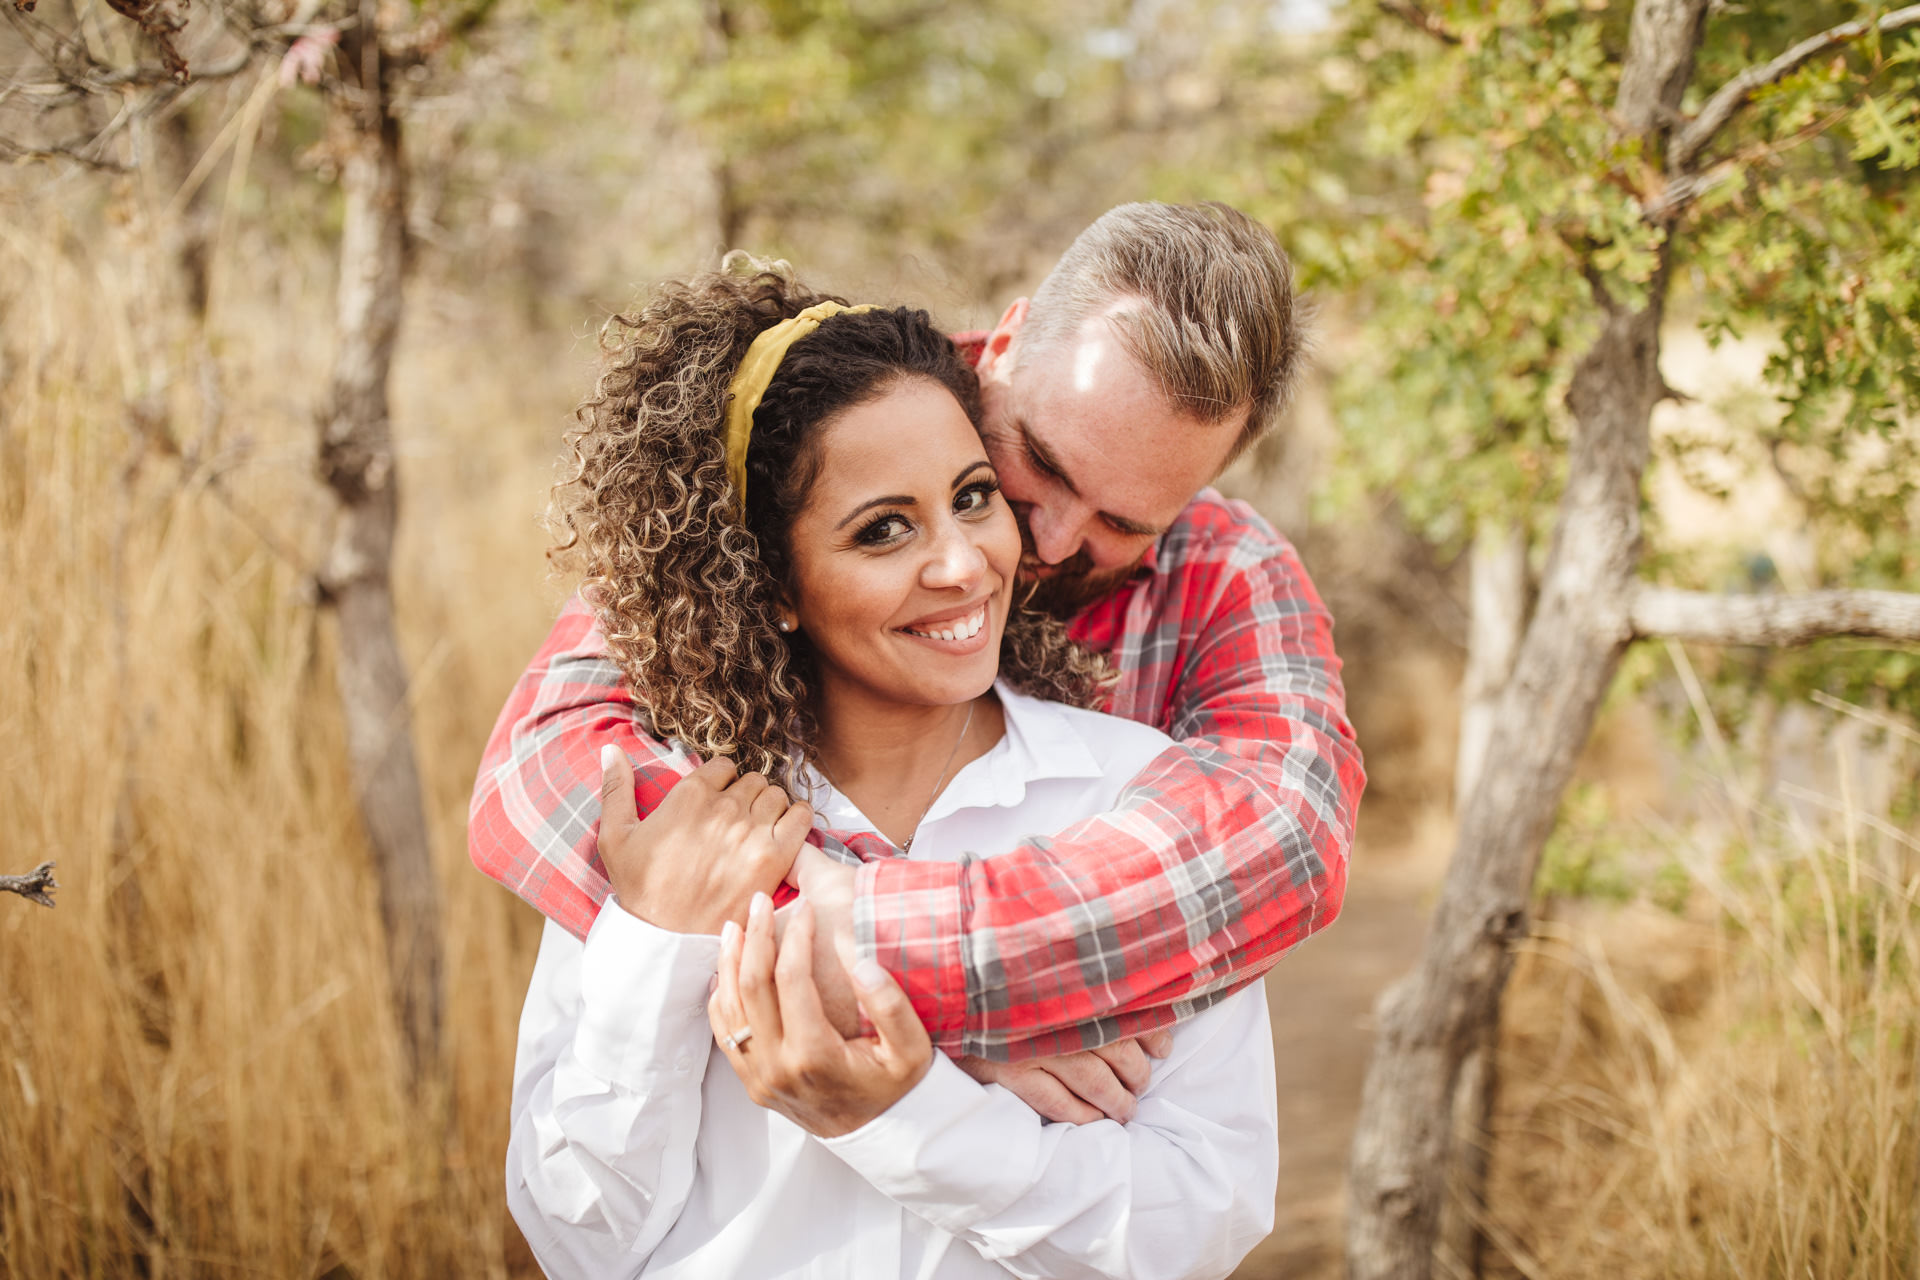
(73, 87)
(161, 23)
(1775, 620)
(35, 886)
(1691, 140)
(69, 151)
(1419, 19)
(1685, 188)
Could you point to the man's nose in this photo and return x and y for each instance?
(1057, 533)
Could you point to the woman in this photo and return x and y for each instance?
(796, 548)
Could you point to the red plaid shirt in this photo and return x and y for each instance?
(1228, 851)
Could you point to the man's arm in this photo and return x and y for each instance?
(536, 811)
(536, 802)
(1226, 852)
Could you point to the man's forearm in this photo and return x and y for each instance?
(1135, 934)
(1227, 851)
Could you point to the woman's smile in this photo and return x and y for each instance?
(954, 627)
(904, 555)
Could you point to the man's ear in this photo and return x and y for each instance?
(1001, 341)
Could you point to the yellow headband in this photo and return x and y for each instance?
(751, 379)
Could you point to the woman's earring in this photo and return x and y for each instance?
(784, 625)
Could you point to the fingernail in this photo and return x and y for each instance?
(869, 976)
(758, 908)
(729, 934)
(609, 757)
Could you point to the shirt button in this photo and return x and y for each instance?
(683, 1064)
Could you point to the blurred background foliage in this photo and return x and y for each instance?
(1447, 183)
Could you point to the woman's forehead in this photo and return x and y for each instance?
(913, 437)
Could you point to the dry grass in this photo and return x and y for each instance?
(1735, 1092)
(197, 1062)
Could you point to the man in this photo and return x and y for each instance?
(1160, 347)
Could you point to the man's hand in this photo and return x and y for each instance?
(766, 1016)
(1079, 1087)
(697, 860)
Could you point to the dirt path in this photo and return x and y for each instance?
(1322, 1000)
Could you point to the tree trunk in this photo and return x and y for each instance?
(356, 460)
(730, 209)
(1430, 1021)
(1433, 1019)
(1497, 618)
(1463, 1237)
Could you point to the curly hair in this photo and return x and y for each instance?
(683, 585)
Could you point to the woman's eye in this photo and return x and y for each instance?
(885, 529)
(975, 497)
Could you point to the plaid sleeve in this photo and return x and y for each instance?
(536, 804)
(534, 821)
(1227, 851)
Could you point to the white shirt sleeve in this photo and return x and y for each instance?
(1183, 1190)
(613, 1051)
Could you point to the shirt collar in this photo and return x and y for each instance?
(1040, 744)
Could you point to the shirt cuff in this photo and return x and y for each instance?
(952, 1150)
(911, 918)
(643, 997)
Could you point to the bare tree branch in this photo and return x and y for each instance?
(79, 73)
(1419, 19)
(1777, 620)
(75, 75)
(35, 886)
(161, 23)
(1727, 101)
(74, 152)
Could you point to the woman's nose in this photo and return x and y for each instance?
(957, 559)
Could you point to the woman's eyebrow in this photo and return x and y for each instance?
(969, 470)
(901, 499)
(891, 500)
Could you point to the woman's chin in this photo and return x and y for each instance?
(948, 671)
(952, 688)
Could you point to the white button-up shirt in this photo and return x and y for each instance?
(636, 1151)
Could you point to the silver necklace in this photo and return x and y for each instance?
(907, 845)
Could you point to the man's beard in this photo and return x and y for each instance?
(1064, 589)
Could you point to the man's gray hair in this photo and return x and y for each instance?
(1219, 327)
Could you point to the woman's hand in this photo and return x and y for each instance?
(766, 1014)
(696, 861)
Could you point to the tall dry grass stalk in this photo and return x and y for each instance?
(1734, 1092)
(199, 1071)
